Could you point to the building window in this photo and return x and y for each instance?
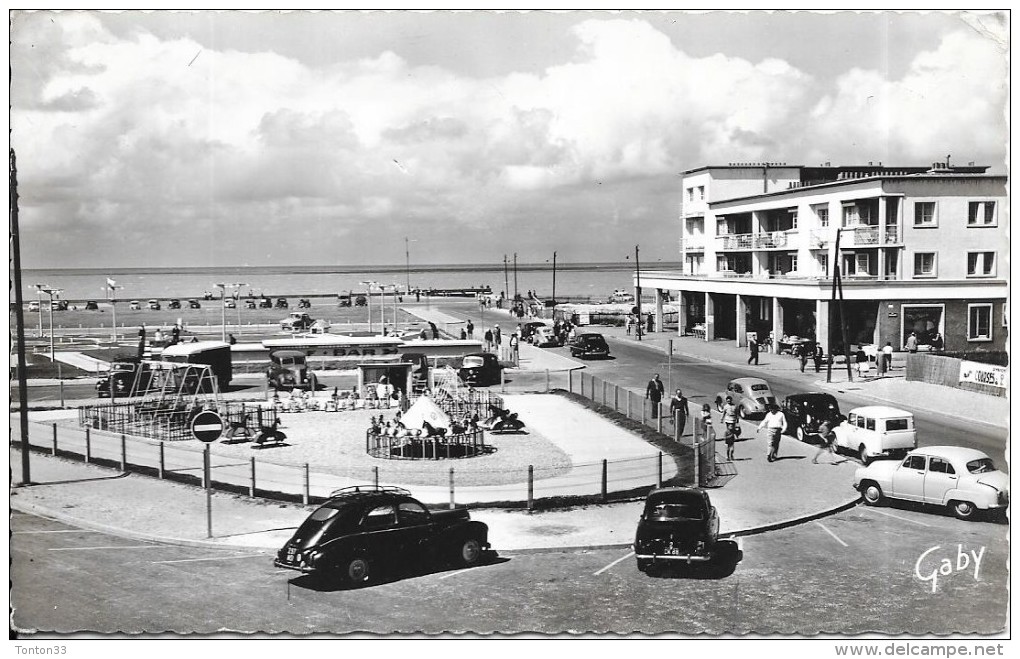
(980, 264)
(979, 322)
(793, 263)
(690, 194)
(823, 215)
(981, 214)
(793, 218)
(723, 264)
(891, 262)
(924, 214)
(863, 264)
(823, 264)
(722, 228)
(850, 215)
(701, 192)
(925, 265)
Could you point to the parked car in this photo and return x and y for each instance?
(805, 412)
(752, 396)
(194, 304)
(365, 529)
(678, 525)
(91, 305)
(304, 303)
(129, 374)
(877, 431)
(281, 303)
(480, 369)
(589, 345)
(266, 303)
(528, 328)
(229, 303)
(250, 304)
(154, 305)
(296, 321)
(173, 304)
(134, 305)
(33, 305)
(288, 370)
(58, 305)
(963, 479)
(543, 337)
(360, 301)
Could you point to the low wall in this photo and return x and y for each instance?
(945, 371)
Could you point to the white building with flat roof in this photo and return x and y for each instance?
(921, 249)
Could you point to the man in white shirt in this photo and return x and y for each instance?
(775, 423)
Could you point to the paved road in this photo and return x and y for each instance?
(850, 573)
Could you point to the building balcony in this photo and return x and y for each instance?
(892, 234)
(694, 245)
(761, 240)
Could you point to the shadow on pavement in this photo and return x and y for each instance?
(382, 576)
(79, 480)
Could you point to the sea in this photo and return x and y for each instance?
(575, 281)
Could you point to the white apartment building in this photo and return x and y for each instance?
(921, 249)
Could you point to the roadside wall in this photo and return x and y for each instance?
(945, 371)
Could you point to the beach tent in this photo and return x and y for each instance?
(425, 409)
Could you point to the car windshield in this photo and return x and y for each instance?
(676, 511)
(981, 466)
(473, 362)
(759, 387)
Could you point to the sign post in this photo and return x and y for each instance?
(207, 426)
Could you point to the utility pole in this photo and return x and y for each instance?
(515, 275)
(407, 263)
(554, 278)
(15, 243)
(637, 262)
(506, 280)
(837, 285)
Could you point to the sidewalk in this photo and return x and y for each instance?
(892, 389)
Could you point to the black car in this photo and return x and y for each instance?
(281, 303)
(173, 304)
(480, 369)
(361, 530)
(266, 303)
(589, 345)
(679, 525)
(528, 328)
(91, 305)
(304, 303)
(805, 412)
(194, 304)
(129, 375)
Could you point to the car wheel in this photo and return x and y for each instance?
(469, 553)
(872, 493)
(862, 453)
(801, 435)
(963, 509)
(357, 571)
(741, 412)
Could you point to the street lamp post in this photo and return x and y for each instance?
(370, 284)
(637, 264)
(223, 310)
(111, 295)
(51, 292)
(38, 296)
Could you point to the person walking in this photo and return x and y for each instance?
(653, 392)
(704, 421)
(828, 440)
(752, 345)
(497, 337)
(732, 426)
(775, 423)
(679, 411)
(912, 342)
(630, 324)
(515, 342)
(819, 357)
(470, 329)
(651, 324)
(488, 340)
(887, 352)
(937, 343)
(803, 358)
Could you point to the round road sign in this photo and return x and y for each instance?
(207, 426)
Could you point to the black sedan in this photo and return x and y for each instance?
(194, 304)
(480, 369)
(679, 525)
(805, 412)
(364, 529)
(589, 345)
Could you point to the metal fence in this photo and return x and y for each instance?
(169, 421)
(418, 447)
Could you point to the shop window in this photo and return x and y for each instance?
(980, 264)
(924, 320)
(925, 264)
(924, 214)
(979, 322)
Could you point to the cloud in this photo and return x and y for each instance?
(139, 137)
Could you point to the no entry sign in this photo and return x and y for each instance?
(207, 426)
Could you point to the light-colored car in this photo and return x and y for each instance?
(963, 479)
(876, 431)
(544, 337)
(135, 305)
(33, 305)
(752, 396)
(154, 305)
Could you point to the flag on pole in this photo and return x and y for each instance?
(111, 283)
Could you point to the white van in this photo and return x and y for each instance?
(877, 431)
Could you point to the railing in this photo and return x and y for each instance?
(409, 446)
(761, 240)
(892, 234)
(820, 238)
(168, 421)
(865, 235)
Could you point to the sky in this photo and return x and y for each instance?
(176, 139)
